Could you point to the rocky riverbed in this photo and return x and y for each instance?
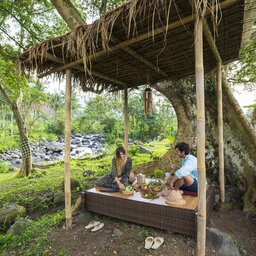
(45, 151)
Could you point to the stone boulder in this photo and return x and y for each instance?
(10, 212)
(54, 146)
(144, 150)
(88, 173)
(222, 242)
(59, 198)
(74, 184)
(19, 225)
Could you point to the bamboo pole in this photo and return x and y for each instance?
(220, 134)
(126, 121)
(199, 69)
(170, 26)
(67, 149)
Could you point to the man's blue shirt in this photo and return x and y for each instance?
(189, 167)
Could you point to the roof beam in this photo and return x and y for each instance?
(172, 25)
(94, 73)
(210, 40)
(139, 57)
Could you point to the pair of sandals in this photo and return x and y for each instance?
(95, 225)
(153, 243)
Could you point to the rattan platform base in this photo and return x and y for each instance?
(148, 212)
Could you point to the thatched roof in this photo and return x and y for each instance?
(141, 42)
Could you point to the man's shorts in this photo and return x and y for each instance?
(193, 187)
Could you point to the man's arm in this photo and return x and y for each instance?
(188, 166)
(172, 180)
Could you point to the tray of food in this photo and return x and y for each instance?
(150, 195)
(156, 185)
(128, 190)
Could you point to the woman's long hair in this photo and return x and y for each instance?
(120, 150)
(119, 163)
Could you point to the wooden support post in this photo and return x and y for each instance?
(126, 120)
(67, 149)
(199, 69)
(220, 133)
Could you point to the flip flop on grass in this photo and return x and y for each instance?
(96, 228)
(148, 242)
(157, 242)
(92, 224)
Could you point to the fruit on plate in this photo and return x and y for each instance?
(157, 188)
(136, 187)
(128, 189)
(149, 195)
(145, 187)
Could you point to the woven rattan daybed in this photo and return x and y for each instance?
(149, 212)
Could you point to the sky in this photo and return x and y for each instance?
(244, 98)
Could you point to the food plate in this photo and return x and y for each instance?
(136, 187)
(128, 192)
(150, 196)
(157, 188)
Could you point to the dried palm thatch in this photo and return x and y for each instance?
(143, 41)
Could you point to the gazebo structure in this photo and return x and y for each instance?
(145, 42)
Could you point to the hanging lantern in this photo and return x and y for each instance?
(147, 101)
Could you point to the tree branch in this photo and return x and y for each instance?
(4, 101)
(22, 24)
(12, 39)
(33, 122)
(6, 96)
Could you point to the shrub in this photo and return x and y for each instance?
(134, 150)
(8, 142)
(4, 167)
(119, 142)
(159, 174)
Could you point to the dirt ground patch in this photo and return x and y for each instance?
(124, 238)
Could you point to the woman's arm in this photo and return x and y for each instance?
(114, 173)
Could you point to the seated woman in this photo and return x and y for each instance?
(121, 171)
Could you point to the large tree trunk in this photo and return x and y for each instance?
(69, 13)
(25, 147)
(239, 135)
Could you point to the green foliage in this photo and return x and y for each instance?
(119, 143)
(33, 239)
(154, 157)
(29, 19)
(8, 142)
(98, 6)
(246, 73)
(56, 127)
(11, 80)
(170, 138)
(37, 136)
(134, 150)
(159, 174)
(4, 167)
(161, 122)
(250, 106)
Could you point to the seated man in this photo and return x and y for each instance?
(186, 177)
